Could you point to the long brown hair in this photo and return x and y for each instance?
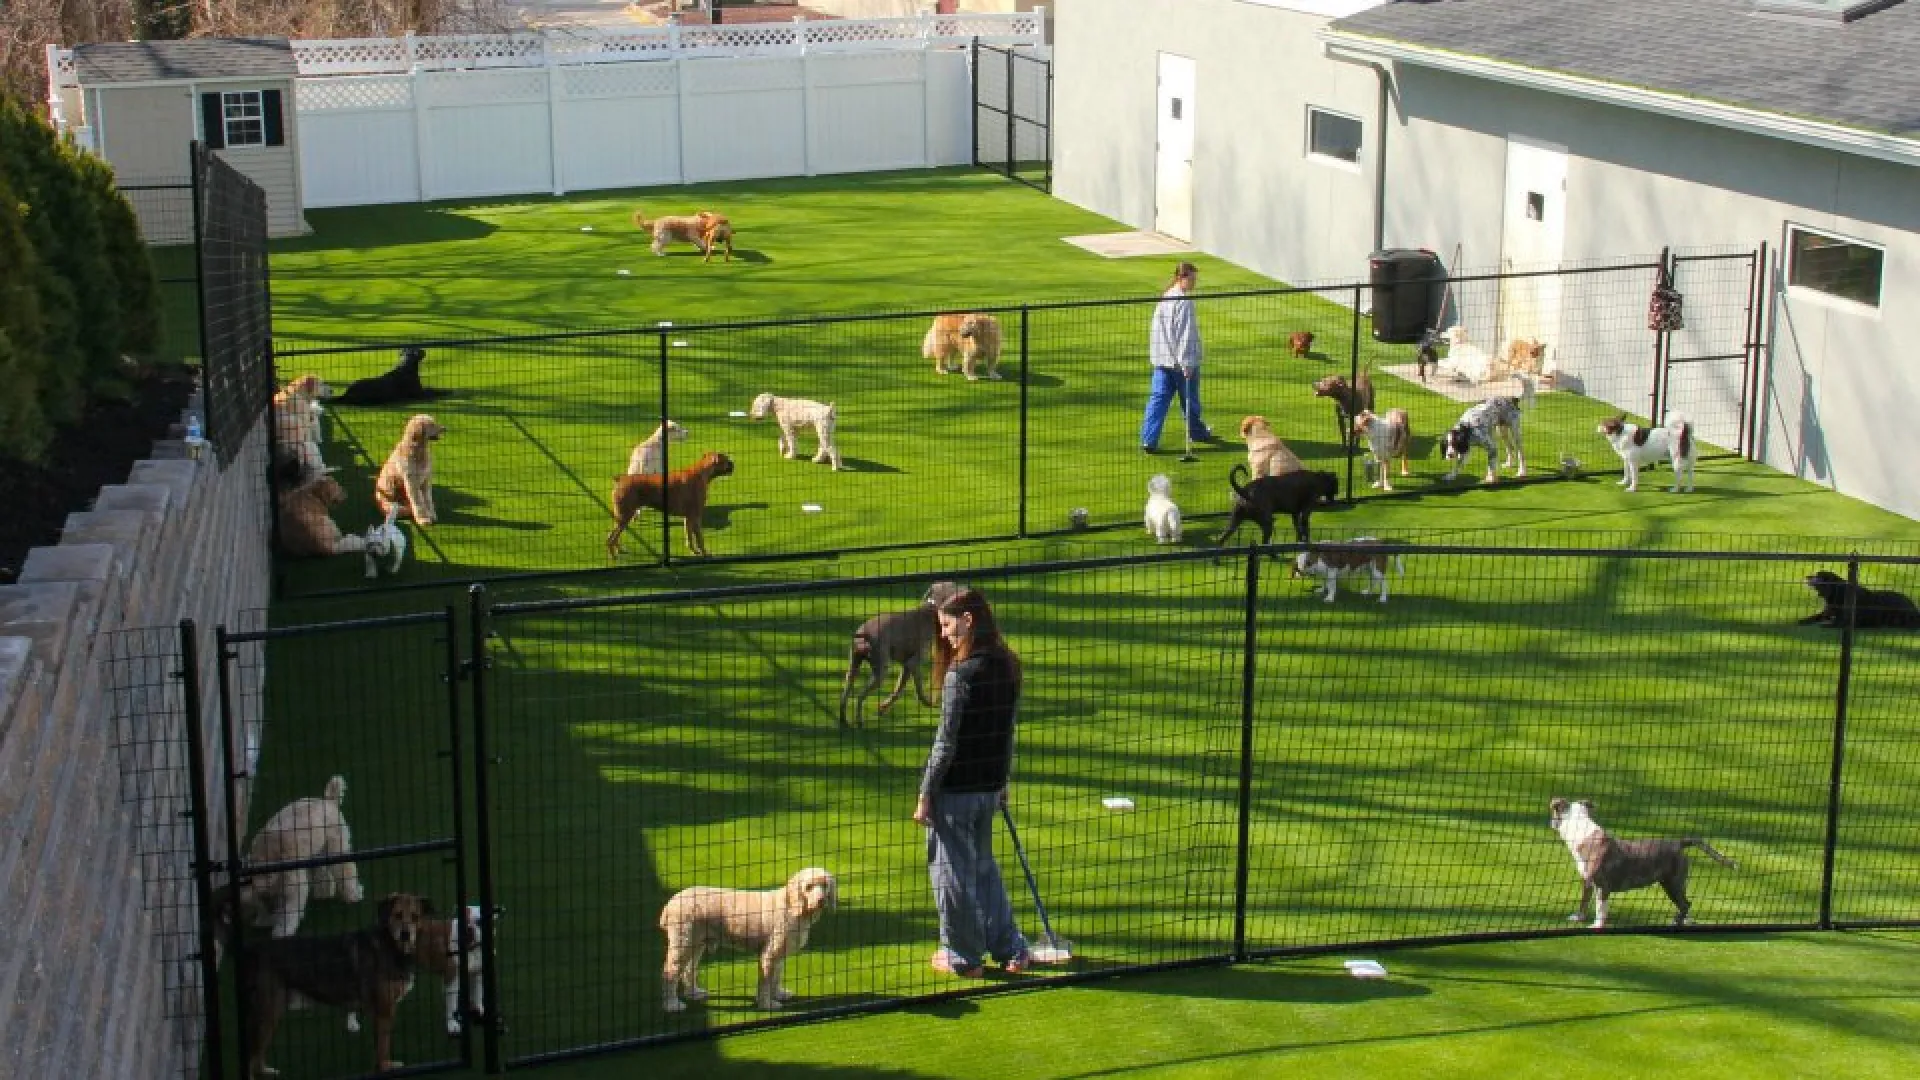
(1184, 270)
(986, 630)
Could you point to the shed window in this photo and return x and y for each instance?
(1833, 265)
(242, 118)
(244, 114)
(1331, 135)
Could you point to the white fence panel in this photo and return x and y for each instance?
(743, 119)
(487, 133)
(949, 93)
(619, 126)
(357, 141)
(866, 112)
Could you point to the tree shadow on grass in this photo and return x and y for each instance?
(1274, 983)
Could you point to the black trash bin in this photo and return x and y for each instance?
(1409, 285)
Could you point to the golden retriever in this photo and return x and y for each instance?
(406, 480)
(773, 923)
(1266, 454)
(296, 422)
(702, 230)
(974, 337)
(682, 494)
(306, 522)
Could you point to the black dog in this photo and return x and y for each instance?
(1294, 494)
(396, 387)
(1871, 607)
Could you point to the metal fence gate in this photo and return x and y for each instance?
(1013, 114)
(1710, 369)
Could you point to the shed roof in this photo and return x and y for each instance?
(1861, 73)
(191, 59)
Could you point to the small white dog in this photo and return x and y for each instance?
(1163, 514)
(773, 923)
(794, 413)
(1641, 446)
(1465, 361)
(1332, 561)
(385, 541)
(650, 457)
(303, 829)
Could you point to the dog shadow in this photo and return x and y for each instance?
(454, 507)
(720, 515)
(864, 465)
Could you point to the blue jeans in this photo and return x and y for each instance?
(976, 917)
(1168, 384)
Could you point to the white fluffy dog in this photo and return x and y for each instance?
(1642, 446)
(307, 828)
(385, 541)
(650, 456)
(1465, 361)
(1163, 514)
(794, 413)
(773, 923)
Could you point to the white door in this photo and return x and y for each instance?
(1173, 175)
(1533, 236)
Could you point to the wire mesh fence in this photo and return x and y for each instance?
(236, 317)
(538, 428)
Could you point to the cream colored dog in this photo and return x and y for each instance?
(775, 923)
(973, 337)
(792, 414)
(1266, 454)
(406, 480)
(296, 422)
(303, 829)
(650, 457)
(703, 230)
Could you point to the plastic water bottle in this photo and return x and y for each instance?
(195, 438)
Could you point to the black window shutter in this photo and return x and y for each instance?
(214, 119)
(270, 112)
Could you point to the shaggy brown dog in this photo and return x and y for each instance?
(681, 494)
(702, 230)
(367, 970)
(406, 480)
(1300, 342)
(773, 923)
(306, 522)
(1266, 454)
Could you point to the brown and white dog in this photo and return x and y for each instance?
(296, 423)
(367, 970)
(1331, 562)
(1608, 865)
(406, 480)
(1388, 436)
(774, 923)
(681, 494)
(308, 828)
(974, 337)
(1639, 447)
(703, 230)
(1266, 454)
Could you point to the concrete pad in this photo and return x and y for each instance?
(1128, 245)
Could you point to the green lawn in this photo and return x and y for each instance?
(1403, 755)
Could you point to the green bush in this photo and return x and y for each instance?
(26, 141)
(23, 426)
(126, 255)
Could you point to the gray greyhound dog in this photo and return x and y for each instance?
(1608, 866)
(901, 637)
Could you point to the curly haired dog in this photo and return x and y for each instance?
(650, 455)
(702, 230)
(681, 493)
(308, 828)
(1266, 454)
(306, 519)
(1162, 515)
(406, 480)
(774, 923)
(791, 414)
(296, 422)
(973, 337)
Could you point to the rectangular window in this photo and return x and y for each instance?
(1331, 135)
(244, 116)
(1828, 264)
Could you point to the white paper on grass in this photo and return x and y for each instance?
(1117, 803)
(810, 508)
(1366, 969)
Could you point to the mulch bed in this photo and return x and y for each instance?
(101, 449)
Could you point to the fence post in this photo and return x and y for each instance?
(666, 519)
(1750, 411)
(479, 662)
(1835, 778)
(1242, 847)
(1347, 442)
(1659, 348)
(203, 866)
(455, 671)
(1013, 110)
(1025, 360)
(973, 114)
(231, 775)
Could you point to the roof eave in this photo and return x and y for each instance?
(1809, 132)
(176, 80)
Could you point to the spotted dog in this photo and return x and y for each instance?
(1493, 425)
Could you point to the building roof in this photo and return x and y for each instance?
(192, 59)
(1862, 73)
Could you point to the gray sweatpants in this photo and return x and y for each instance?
(976, 917)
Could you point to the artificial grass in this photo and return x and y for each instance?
(1403, 754)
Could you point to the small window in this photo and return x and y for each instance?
(244, 116)
(1835, 266)
(1331, 135)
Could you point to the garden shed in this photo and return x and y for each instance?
(143, 102)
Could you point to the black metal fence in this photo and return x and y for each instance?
(236, 309)
(1298, 775)
(1013, 114)
(538, 427)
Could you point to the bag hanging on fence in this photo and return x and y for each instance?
(1663, 308)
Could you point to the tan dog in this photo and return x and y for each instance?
(296, 422)
(973, 337)
(303, 829)
(368, 970)
(651, 455)
(1266, 454)
(306, 519)
(681, 494)
(1388, 436)
(1526, 355)
(702, 230)
(773, 923)
(406, 480)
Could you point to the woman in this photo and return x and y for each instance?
(965, 782)
(1174, 349)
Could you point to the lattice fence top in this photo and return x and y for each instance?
(369, 56)
(385, 92)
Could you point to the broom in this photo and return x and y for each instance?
(1184, 422)
(1053, 949)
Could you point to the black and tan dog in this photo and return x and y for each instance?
(1871, 607)
(1608, 865)
(1294, 494)
(365, 971)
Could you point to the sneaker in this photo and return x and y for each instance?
(949, 963)
(1018, 962)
